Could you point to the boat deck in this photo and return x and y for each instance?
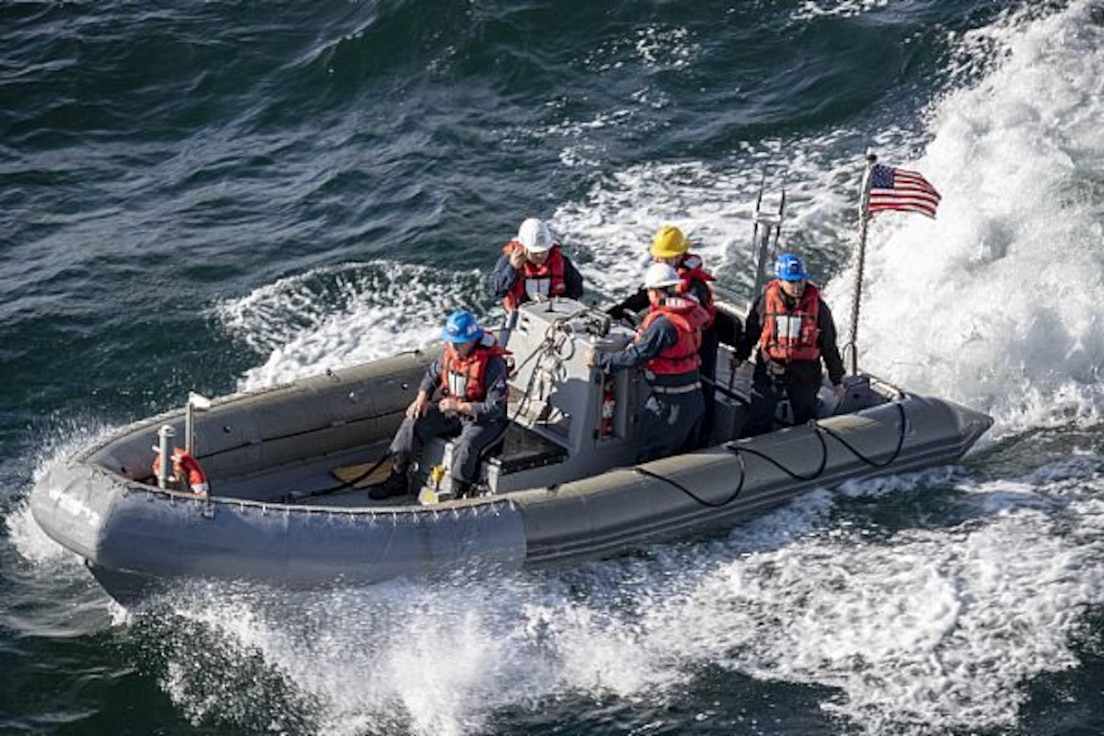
(294, 482)
(313, 482)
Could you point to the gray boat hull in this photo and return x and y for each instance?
(124, 528)
(260, 449)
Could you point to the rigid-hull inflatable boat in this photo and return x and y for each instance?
(561, 486)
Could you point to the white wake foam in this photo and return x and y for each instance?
(993, 304)
(917, 631)
(996, 303)
(339, 316)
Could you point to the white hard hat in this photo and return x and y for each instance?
(535, 236)
(660, 275)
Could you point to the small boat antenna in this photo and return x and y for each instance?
(764, 238)
(196, 402)
(165, 454)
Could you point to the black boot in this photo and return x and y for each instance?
(397, 484)
(463, 490)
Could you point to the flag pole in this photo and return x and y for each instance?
(851, 348)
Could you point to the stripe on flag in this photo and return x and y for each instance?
(900, 189)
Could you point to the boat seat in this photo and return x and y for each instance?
(521, 449)
(491, 450)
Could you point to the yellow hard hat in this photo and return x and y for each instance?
(669, 242)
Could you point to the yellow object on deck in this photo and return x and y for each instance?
(431, 492)
(349, 473)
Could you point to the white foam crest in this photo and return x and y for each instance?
(339, 316)
(836, 8)
(666, 48)
(918, 630)
(27, 537)
(656, 47)
(928, 632)
(996, 302)
(30, 541)
(712, 203)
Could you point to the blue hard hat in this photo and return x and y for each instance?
(789, 267)
(461, 326)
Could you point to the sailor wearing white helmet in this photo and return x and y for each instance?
(532, 267)
(667, 344)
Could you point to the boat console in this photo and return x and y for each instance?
(568, 420)
(571, 421)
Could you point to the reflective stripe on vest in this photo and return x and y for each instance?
(790, 333)
(544, 280)
(688, 317)
(466, 377)
(538, 287)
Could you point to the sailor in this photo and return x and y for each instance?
(671, 246)
(186, 474)
(667, 344)
(795, 333)
(471, 379)
(533, 267)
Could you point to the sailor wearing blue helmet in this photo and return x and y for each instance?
(793, 332)
(471, 380)
(461, 328)
(790, 268)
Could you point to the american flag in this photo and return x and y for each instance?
(898, 189)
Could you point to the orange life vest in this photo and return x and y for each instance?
(691, 269)
(466, 377)
(546, 279)
(186, 475)
(790, 333)
(688, 317)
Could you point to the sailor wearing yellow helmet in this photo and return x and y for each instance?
(672, 247)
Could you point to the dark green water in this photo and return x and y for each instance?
(218, 196)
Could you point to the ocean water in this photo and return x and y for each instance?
(225, 195)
